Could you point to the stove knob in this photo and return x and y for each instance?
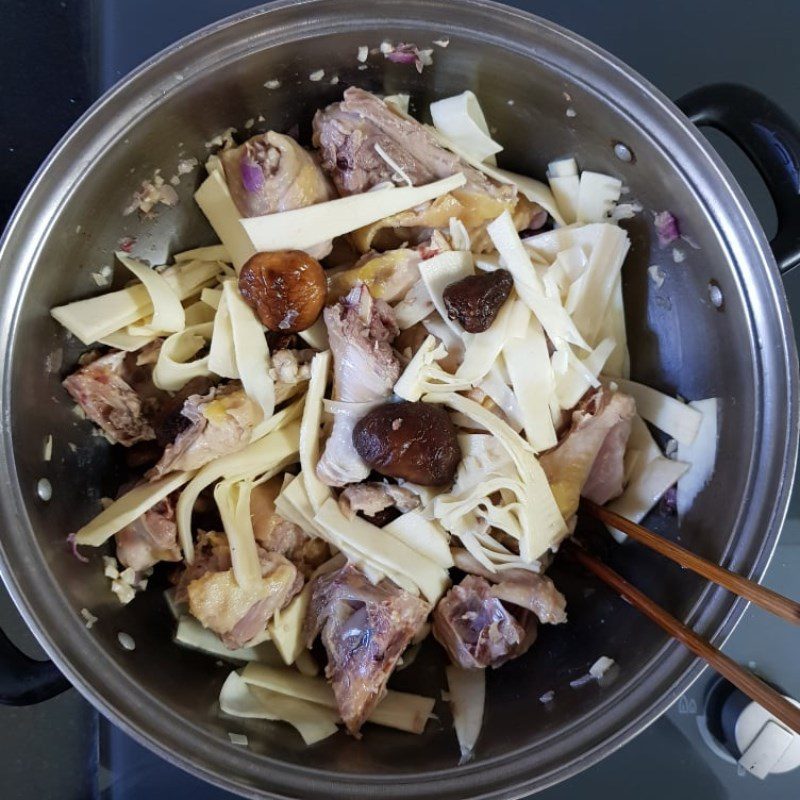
(766, 745)
(741, 731)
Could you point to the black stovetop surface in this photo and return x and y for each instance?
(56, 57)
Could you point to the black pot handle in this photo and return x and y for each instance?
(24, 680)
(771, 140)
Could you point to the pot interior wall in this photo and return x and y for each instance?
(678, 341)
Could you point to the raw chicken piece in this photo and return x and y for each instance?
(420, 224)
(589, 459)
(607, 477)
(477, 630)
(123, 383)
(365, 629)
(275, 534)
(360, 330)
(106, 398)
(538, 594)
(221, 423)
(340, 463)
(349, 134)
(211, 554)
(388, 276)
(365, 368)
(372, 497)
(151, 538)
(521, 587)
(238, 614)
(271, 172)
(167, 419)
(304, 551)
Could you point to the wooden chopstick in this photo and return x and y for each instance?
(770, 601)
(752, 686)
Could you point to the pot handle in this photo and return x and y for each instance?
(24, 680)
(771, 140)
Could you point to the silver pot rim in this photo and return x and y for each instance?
(140, 91)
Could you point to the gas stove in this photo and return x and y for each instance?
(56, 57)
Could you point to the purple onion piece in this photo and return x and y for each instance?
(73, 545)
(402, 56)
(582, 681)
(539, 220)
(666, 227)
(669, 502)
(408, 53)
(252, 175)
(126, 243)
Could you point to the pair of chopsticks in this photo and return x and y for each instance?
(773, 602)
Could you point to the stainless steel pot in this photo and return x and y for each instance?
(70, 220)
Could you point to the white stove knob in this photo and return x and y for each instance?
(767, 746)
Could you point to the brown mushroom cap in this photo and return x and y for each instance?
(287, 289)
(416, 442)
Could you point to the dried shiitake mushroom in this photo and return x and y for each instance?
(286, 288)
(416, 442)
(475, 301)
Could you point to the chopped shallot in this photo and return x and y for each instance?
(595, 673)
(666, 227)
(74, 549)
(187, 165)
(601, 666)
(150, 193)
(110, 567)
(124, 592)
(104, 276)
(223, 140)
(656, 275)
(625, 211)
(53, 361)
(88, 617)
(408, 54)
(582, 681)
